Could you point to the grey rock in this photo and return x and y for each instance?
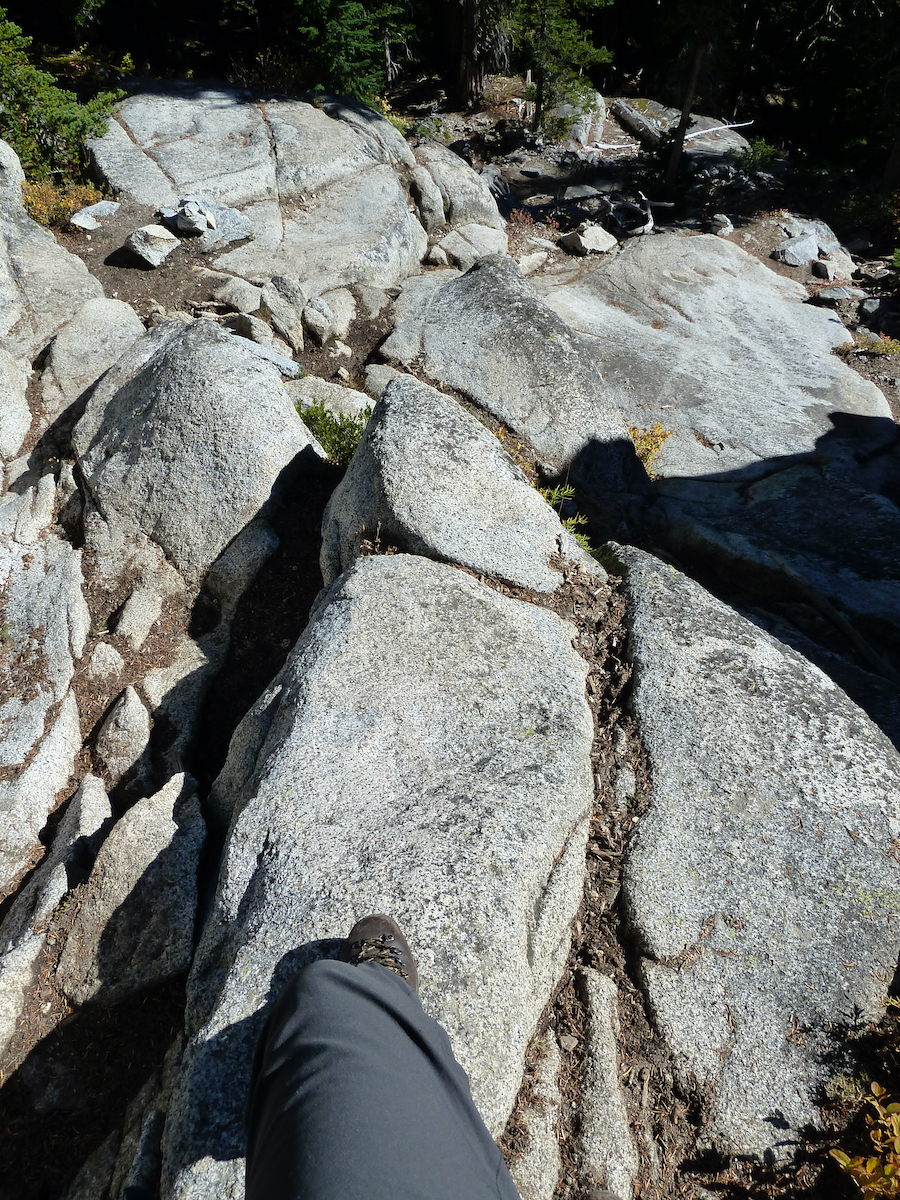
(152, 244)
(135, 926)
(239, 295)
(762, 859)
(437, 257)
(23, 933)
(27, 799)
(488, 334)
(46, 621)
(175, 692)
(96, 337)
(385, 143)
(428, 198)
(283, 301)
(84, 220)
(251, 328)
(94, 212)
(121, 163)
(469, 243)
(823, 269)
(490, 925)
(580, 191)
(536, 1172)
(435, 482)
(466, 197)
(201, 408)
(589, 119)
(314, 150)
(588, 238)
(843, 265)
(372, 300)
(193, 140)
(378, 376)
(529, 263)
(797, 251)
(834, 295)
(41, 285)
(92, 1180)
(139, 1156)
(721, 225)
(609, 1155)
(143, 608)
(318, 322)
(106, 661)
(11, 176)
(342, 307)
(124, 736)
(15, 414)
(694, 333)
(357, 230)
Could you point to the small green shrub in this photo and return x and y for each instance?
(877, 1174)
(556, 497)
(45, 125)
(758, 155)
(336, 434)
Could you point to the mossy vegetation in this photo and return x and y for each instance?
(337, 434)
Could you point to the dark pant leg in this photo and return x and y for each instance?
(356, 1095)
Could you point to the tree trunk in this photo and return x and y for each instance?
(540, 74)
(892, 170)
(469, 79)
(678, 145)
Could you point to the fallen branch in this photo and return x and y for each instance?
(716, 129)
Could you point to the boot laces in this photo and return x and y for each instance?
(381, 951)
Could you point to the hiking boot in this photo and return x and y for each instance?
(378, 939)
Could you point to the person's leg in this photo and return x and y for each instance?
(356, 1095)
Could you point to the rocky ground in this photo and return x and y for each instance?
(653, 704)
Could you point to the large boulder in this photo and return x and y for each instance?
(424, 752)
(96, 337)
(488, 334)
(41, 285)
(185, 439)
(762, 887)
(700, 336)
(316, 181)
(23, 934)
(357, 230)
(466, 196)
(135, 923)
(213, 141)
(430, 478)
(45, 622)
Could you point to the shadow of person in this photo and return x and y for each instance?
(806, 545)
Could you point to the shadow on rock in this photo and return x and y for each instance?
(807, 547)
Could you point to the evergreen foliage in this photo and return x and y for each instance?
(44, 124)
(552, 37)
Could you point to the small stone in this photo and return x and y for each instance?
(124, 735)
(531, 262)
(152, 244)
(239, 295)
(437, 257)
(823, 269)
(105, 661)
(798, 251)
(317, 324)
(84, 221)
(721, 225)
(568, 1042)
(587, 239)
